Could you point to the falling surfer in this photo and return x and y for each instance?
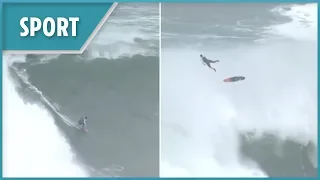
(83, 122)
(207, 62)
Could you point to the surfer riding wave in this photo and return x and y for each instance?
(83, 122)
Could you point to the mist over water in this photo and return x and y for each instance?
(265, 125)
(27, 151)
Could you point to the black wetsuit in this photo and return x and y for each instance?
(207, 62)
(82, 122)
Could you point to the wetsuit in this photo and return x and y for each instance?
(82, 122)
(207, 62)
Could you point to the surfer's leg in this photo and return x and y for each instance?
(213, 61)
(208, 64)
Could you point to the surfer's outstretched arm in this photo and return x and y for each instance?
(202, 61)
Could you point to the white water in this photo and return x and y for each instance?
(201, 115)
(32, 143)
(131, 29)
(128, 31)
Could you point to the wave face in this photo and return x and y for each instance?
(115, 82)
(263, 126)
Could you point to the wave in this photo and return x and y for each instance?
(90, 86)
(303, 24)
(205, 122)
(131, 29)
(33, 144)
(42, 96)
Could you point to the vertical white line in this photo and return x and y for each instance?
(160, 60)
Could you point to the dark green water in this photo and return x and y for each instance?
(120, 98)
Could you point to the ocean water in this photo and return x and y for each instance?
(264, 126)
(115, 82)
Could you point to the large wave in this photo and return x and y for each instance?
(33, 144)
(40, 90)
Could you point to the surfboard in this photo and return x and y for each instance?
(234, 79)
(84, 130)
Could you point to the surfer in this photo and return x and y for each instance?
(83, 122)
(207, 62)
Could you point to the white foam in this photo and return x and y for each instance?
(201, 115)
(32, 143)
(303, 25)
(127, 35)
(209, 146)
